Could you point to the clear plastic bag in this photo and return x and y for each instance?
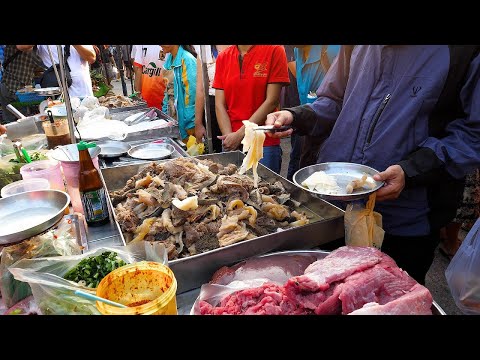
(56, 296)
(463, 273)
(59, 241)
(194, 148)
(363, 226)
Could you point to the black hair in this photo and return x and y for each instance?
(190, 49)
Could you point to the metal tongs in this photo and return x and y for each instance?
(149, 115)
(271, 128)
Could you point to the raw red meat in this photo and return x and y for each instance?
(376, 284)
(351, 280)
(268, 299)
(340, 264)
(418, 301)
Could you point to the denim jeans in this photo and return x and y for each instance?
(272, 158)
(294, 164)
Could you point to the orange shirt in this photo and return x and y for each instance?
(246, 88)
(148, 57)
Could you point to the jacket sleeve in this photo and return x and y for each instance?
(189, 83)
(319, 117)
(458, 153)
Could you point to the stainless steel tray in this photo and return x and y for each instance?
(185, 301)
(193, 271)
(151, 151)
(142, 105)
(168, 131)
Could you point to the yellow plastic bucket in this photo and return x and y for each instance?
(147, 288)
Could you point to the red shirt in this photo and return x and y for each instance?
(245, 91)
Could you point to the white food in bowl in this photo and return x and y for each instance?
(322, 182)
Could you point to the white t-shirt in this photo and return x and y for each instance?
(151, 59)
(134, 51)
(79, 69)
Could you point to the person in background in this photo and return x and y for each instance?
(248, 81)
(18, 71)
(211, 54)
(181, 63)
(126, 61)
(149, 82)
(467, 213)
(80, 58)
(401, 109)
(107, 62)
(312, 63)
(289, 98)
(2, 50)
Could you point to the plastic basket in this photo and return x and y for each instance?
(28, 97)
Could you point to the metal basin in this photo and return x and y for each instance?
(27, 214)
(344, 173)
(151, 151)
(112, 149)
(318, 254)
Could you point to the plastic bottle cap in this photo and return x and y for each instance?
(83, 145)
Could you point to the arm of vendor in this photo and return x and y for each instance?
(86, 52)
(3, 129)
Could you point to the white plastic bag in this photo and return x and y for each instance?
(463, 273)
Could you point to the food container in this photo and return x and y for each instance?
(326, 224)
(56, 126)
(146, 287)
(44, 169)
(22, 186)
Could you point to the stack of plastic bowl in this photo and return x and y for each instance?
(44, 169)
(22, 186)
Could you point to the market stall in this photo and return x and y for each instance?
(182, 234)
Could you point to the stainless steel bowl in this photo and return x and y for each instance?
(151, 151)
(28, 214)
(344, 173)
(110, 149)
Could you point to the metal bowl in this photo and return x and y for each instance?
(28, 214)
(110, 149)
(151, 151)
(344, 173)
(69, 153)
(319, 254)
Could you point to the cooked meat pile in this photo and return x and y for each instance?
(350, 280)
(195, 206)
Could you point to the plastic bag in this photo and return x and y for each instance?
(58, 241)
(56, 296)
(27, 306)
(194, 148)
(363, 226)
(463, 273)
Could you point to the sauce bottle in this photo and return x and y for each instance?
(90, 186)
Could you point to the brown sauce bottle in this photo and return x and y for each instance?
(90, 186)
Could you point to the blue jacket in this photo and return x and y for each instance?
(185, 84)
(310, 72)
(348, 108)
